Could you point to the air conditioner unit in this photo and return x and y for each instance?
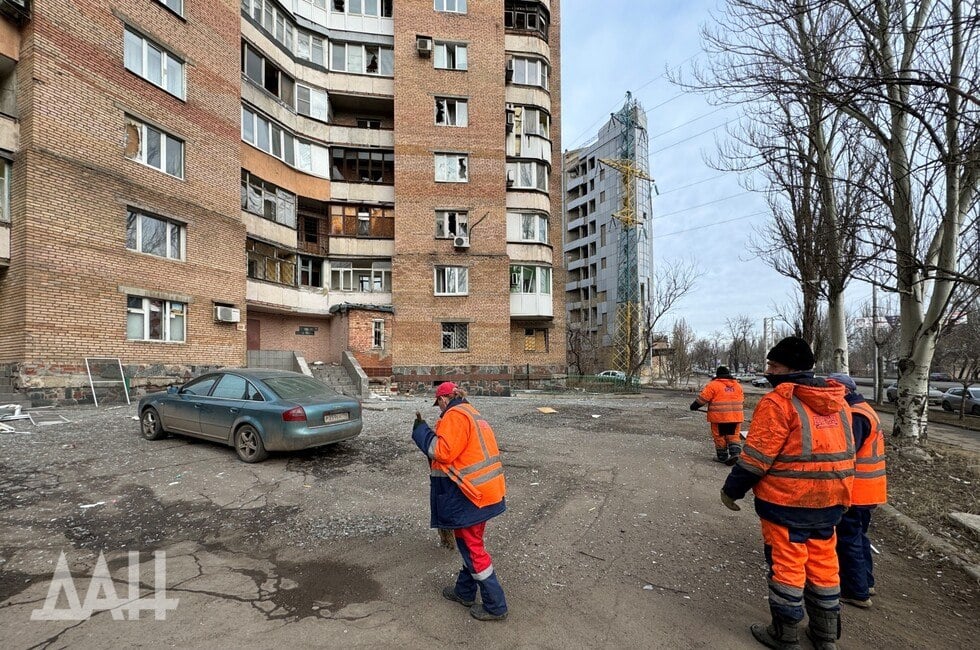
(510, 120)
(227, 314)
(509, 72)
(461, 242)
(424, 45)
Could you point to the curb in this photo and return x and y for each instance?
(935, 543)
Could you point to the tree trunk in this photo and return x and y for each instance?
(837, 322)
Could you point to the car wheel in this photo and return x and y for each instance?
(248, 444)
(150, 427)
(947, 406)
(892, 398)
(976, 409)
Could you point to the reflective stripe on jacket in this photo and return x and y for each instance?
(801, 445)
(870, 487)
(465, 450)
(725, 399)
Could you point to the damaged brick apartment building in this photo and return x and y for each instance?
(193, 184)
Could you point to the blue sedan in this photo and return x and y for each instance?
(254, 410)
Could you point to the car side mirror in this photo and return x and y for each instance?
(172, 390)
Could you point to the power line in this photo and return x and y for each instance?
(683, 124)
(699, 133)
(701, 205)
(682, 187)
(709, 225)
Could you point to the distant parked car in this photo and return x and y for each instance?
(940, 376)
(254, 410)
(760, 382)
(953, 397)
(613, 374)
(935, 395)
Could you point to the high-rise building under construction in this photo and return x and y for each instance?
(608, 245)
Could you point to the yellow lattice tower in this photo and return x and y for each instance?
(628, 299)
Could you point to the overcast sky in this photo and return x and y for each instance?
(701, 214)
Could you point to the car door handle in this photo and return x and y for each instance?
(233, 410)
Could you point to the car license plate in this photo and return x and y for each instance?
(330, 418)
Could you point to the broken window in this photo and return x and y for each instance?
(154, 148)
(451, 112)
(362, 59)
(363, 165)
(310, 272)
(451, 223)
(451, 167)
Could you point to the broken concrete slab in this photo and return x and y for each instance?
(967, 521)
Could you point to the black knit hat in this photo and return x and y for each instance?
(793, 352)
(723, 372)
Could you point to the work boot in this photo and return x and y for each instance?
(734, 451)
(857, 602)
(479, 613)
(824, 628)
(780, 635)
(721, 456)
(449, 593)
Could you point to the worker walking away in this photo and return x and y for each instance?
(857, 581)
(798, 459)
(466, 489)
(725, 399)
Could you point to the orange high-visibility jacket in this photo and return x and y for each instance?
(466, 451)
(724, 398)
(870, 487)
(800, 442)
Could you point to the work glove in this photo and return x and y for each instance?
(695, 405)
(418, 419)
(729, 502)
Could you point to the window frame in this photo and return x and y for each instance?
(453, 280)
(179, 11)
(448, 157)
(166, 325)
(442, 52)
(453, 117)
(313, 268)
(444, 220)
(313, 90)
(165, 55)
(540, 175)
(386, 56)
(522, 64)
(442, 6)
(378, 334)
(540, 275)
(165, 144)
(6, 168)
(457, 328)
(136, 217)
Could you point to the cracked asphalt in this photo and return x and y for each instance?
(613, 537)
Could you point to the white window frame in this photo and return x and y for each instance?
(450, 6)
(445, 219)
(358, 8)
(168, 143)
(455, 111)
(356, 53)
(378, 334)
(310, 265)
(172, 229)
(319, 110)
(303, 155)
(523, 274)
(523, 72)
(5, 169)
(452, 167)
(527, 170)
(176, 6)
(313, 44)
(450, 281)
(138, 64)
(458, 52)
(537, 221)
(175, 311)
(454, 331)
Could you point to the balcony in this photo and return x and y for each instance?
(4, 244)
(531, 305)
(285, 299)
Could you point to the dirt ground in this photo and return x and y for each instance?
(613, 537)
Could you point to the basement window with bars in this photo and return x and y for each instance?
(154, 319)
(455, 336)
(154, 148)
(154, 236)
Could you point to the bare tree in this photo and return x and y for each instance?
(677, 362)
(583, 349)
(672, 281)
(740, 329)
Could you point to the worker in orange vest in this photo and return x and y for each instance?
(724, 398)
(798, 459)
(857, 581)
(466, 489)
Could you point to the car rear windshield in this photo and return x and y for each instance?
(298, 387)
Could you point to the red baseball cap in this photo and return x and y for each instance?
(445, 388)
